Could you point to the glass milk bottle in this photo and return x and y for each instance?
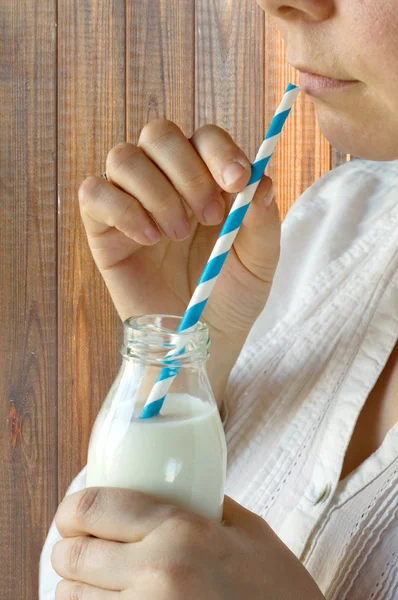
(178, 456)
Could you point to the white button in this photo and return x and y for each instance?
(322, 495)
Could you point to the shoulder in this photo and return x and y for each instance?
(341, 209)
(357, 187)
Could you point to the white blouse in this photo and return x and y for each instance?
(296, 391)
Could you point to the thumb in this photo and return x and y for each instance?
(258, 241)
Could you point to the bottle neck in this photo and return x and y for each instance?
(155, 340)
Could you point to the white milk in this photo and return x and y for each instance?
(178, 456)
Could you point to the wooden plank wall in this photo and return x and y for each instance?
(28, 290)
(77, 77)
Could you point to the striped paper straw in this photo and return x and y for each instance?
(220, 251)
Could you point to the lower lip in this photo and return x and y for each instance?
(316, 85)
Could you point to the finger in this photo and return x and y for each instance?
(111, 513)
(66, 590)
(93, 561)
(170, 150)
(258, 241)
(227, 163)
(133, 171)
(103, 206)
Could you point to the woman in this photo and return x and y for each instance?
(311, 403)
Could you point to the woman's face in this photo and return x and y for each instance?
(353, 40)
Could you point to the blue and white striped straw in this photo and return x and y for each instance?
(220, 252)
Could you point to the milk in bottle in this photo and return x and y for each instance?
(179, 456)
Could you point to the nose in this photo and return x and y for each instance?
(315, 10)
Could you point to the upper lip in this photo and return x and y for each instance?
(310, 71)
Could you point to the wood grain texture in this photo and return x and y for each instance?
(91, 120)
(229, 69)
(160, 59)
(28, 350)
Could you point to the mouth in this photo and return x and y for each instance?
(314, 84)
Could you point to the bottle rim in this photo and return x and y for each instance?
(151, 337)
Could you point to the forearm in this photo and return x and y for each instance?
(223, 357)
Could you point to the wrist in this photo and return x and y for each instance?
(223, 356)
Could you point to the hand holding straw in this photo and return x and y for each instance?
(220, 251)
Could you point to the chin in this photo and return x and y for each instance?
(363, 139)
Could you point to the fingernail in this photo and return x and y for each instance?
(152, 233)
(269, 197)
(213, 213)
(233, 172)
(182, 229)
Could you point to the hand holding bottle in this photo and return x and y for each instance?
(122, 541)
